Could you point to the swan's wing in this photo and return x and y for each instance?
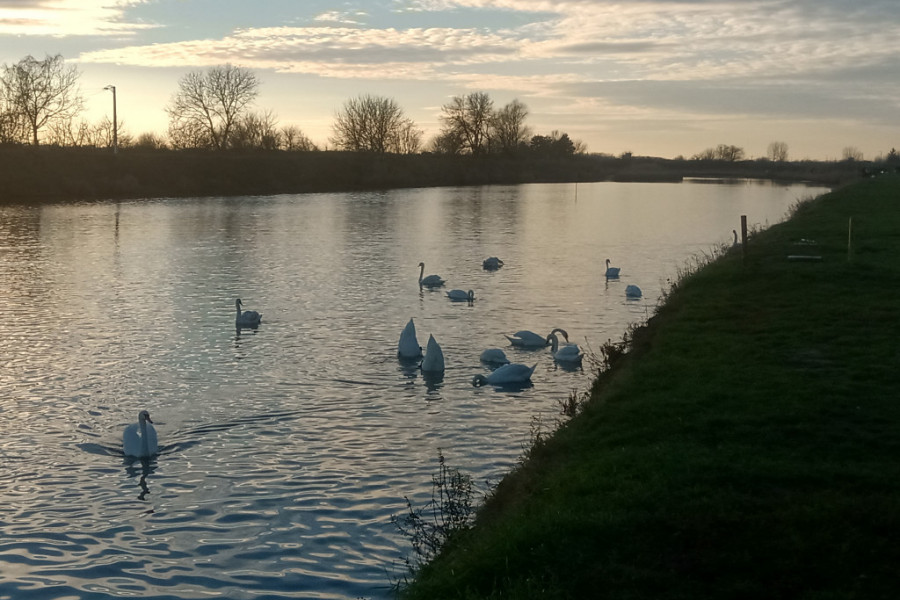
(529, 338)
(152, 441)
(511, 373)
(131, 441)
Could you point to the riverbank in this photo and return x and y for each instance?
(62, 174)
(746, 447)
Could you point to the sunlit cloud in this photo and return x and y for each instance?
(59, 18)
(339, 52)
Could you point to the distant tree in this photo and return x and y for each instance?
(83, 133)
(508, 129)
(41, 92)
(468, 119)
(777, 152)
(729, 153)
(554, 145)
(149, 141)
(852, 153)
(372, 124)
(409, 137)
(292, 139)
(12, 125)
(707, 154)
(892, 156)
(207, 106)
(256, 131)
(447, 142)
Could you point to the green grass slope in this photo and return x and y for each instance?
(748, 446)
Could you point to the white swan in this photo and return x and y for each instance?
(492, 263)
(511, 373)
(494, 356)
(248, 318)
(408, 347)
(431, 280)
(529, 339)
(434, 357)
(461, 296)
(633, 291)
(611, 271)
(139, 438)
(569, 353)
(735, 243)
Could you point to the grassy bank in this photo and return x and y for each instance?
(747, 447)
(29, 174)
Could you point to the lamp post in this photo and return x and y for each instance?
(115, 122)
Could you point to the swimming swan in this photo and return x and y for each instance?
(633, 291)
(511, 373)
(139, 438)
(569, 353)
(492, 263)
(431, 280)
(494, 356)
(611, 271)
(461, 296)
(408, 347)
(529, 339)
(248, 318)
(434, 357)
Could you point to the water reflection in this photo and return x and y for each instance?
(143, 467)
(290, 448)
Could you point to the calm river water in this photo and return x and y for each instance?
(286, 450)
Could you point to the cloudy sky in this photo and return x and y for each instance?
(652, 77)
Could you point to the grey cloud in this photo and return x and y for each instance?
(718, 98)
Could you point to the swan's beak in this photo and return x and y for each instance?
(149, 420)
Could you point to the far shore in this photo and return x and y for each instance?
(52, 174)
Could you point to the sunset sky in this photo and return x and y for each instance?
(655, 77)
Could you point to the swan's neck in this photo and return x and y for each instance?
(554, 343)
(421, 271)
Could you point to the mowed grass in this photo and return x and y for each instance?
(748, 446)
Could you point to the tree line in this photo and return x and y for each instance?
(40, 103)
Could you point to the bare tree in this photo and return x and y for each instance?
(852, 153)
(12, 125)
(291, 138)
(42, 92)
(257, 131)
(208, 105)
(777, 152)
(729, 153)
(372, 124)
(150, 141)
(447, 142)
(469, 119)
(508, 127)
(409, 137)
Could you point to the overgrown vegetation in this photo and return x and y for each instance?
(448, 514)
(744, 446)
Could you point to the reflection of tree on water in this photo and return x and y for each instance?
(143, 467)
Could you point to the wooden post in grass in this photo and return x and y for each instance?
(849, 238)
(744, 239)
